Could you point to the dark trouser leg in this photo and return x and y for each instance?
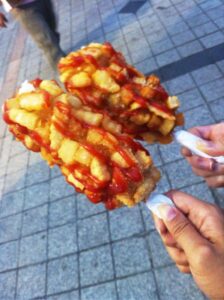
(33, 20)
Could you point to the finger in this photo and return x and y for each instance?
(186, 152)
(215, 181)
(205, 174)
(183, 269)
(203, 132)
(169, 240)
(182, 230)
(159, 224)
(205, 164)
(178, 256)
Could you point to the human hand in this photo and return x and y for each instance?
(3, 20)
(212, 171)
(193, 234)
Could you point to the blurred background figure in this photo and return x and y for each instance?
(38, 19)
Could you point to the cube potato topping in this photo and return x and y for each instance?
(51, 87)
(27, 119)
(32, 101)
(81, 80)
(118, 159)
(166, 126)
(93, 136)
(173, 102)
(103, 79)
(76, 183)
(67, 151)
(83, 156)
(99, 170)
(90, 118)
(144, 160)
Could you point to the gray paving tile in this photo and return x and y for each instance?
(217, 109)
(31, 282)
(198, 116)
(36, 195)
(38, 172)
(93, 231)
(215, 13)
(176, 286)
(183, 38)
(180, 84)
(17, 148)
(33, 249)
(8, 257)
(125, 222)
(10, 228)
(211, 4)
(197, 20)
(55, 171)
(59, 188)
(213, 90)
(34, 220)
(12, 203)
(14, 182)
(200, 191)
(162, 46)
(206, 74)
(17, 163)
(99, 261)
(219, 194)
(170, 152)
(7, 285)
(167, 57)
(66, 296)
(141, 286)
(62, 275)
(190, 48)
(160, 257)
(100, 292)
(213, 39)
(219, 22)
(147, 65)
(205, 29)
(179, 27)
(190, 99)
(131, 256)
(180, 179)
(62, 240)
(86, 208)
(62, 211)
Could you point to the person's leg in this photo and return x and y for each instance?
(35, 24)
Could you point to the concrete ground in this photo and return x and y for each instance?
(54, 244)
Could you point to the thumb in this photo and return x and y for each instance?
(211, 148)
(181, 228)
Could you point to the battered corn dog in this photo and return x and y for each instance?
(102, 79)
(84, 142)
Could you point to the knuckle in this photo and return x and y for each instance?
(204, 255)
(180, 228)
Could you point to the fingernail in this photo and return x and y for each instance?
(167, 212)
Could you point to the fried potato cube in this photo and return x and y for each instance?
(118, 159)
(111, 126)
(149, 137)
(12, 103)
(67, 151)
(32, 101)
(160, 112)
(114, 99)
(24, 118)
(140, 118)
(81, 80)
(83, 156)
(166, 126)
(126, 96)
(115, 67)
(125, 199)
(134, 106)
(94, 137)
(56, 137)
(147, 92)
(75, 182)
(74, 101)
(173, 102)
(103, 79)
(139, 80)
(88, 117)
(51, 87)
(154, 122)
(65, 75)
(99, 170)
(143, 159)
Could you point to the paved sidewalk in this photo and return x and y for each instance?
(54, 244)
